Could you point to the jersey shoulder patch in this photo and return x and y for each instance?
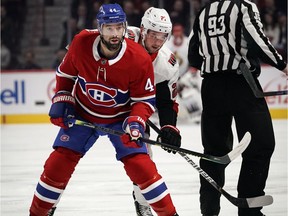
(172, 60)
(166, 54)
(133, 33)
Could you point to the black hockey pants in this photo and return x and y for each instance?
(224, 97)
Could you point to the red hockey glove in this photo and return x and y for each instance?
(134, 126)
(62, 109)
(170, 135)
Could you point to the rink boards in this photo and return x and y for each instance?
(26, 95)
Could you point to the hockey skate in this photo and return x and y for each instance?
(141, 210)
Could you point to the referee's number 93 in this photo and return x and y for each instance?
(216, 25)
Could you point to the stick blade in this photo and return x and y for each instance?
(240, 148)
(226, 159)
(259, 201)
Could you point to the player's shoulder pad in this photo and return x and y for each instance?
(166, 65)
(136, 51)
(82, 37)
(168, 58)
(87, 33)
(133, 33)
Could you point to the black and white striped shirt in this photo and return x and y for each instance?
(227, 32)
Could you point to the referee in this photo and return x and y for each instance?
(225, 34)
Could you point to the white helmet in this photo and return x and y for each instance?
(156, 19)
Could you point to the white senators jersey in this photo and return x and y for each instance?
(166, 67)
(166, 74)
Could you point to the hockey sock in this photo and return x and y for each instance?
(57, 171)
(142, 171)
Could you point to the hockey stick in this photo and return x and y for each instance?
(250, 80)
(252, 202)
(222, 160)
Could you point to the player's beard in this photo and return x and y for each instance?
(112, 46)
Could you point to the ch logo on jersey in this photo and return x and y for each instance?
(101, 95)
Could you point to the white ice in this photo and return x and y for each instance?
(99, 186)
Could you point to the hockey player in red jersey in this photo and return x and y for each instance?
(154, 31)
(107, 80)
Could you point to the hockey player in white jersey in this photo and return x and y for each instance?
(189, 83)
(154, 31)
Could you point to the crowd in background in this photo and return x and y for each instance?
(83, 12)
(13, 13)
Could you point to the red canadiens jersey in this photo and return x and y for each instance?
(107, 91)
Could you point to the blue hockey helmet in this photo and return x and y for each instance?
(110, 13)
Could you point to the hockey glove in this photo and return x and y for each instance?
(62, 109)
(170, 135)
(134, 126)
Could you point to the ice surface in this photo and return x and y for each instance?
(99, 186)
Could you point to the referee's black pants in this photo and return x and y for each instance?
(225, 96)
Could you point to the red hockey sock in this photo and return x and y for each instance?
(57, 171)
(142, 171)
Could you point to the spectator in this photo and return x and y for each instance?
(178, 45)
(270, 8)
(196, 6)
(83, 18)
(12, 18)
(180, 14)
(281, 42)
(281, 6)
(5, 56)
(70, 30)
(59, 55)
(7, 30)
(271, 28)
(75, 4)
(29, 62)
(95, 8)
(144, 6)
(133, 16)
